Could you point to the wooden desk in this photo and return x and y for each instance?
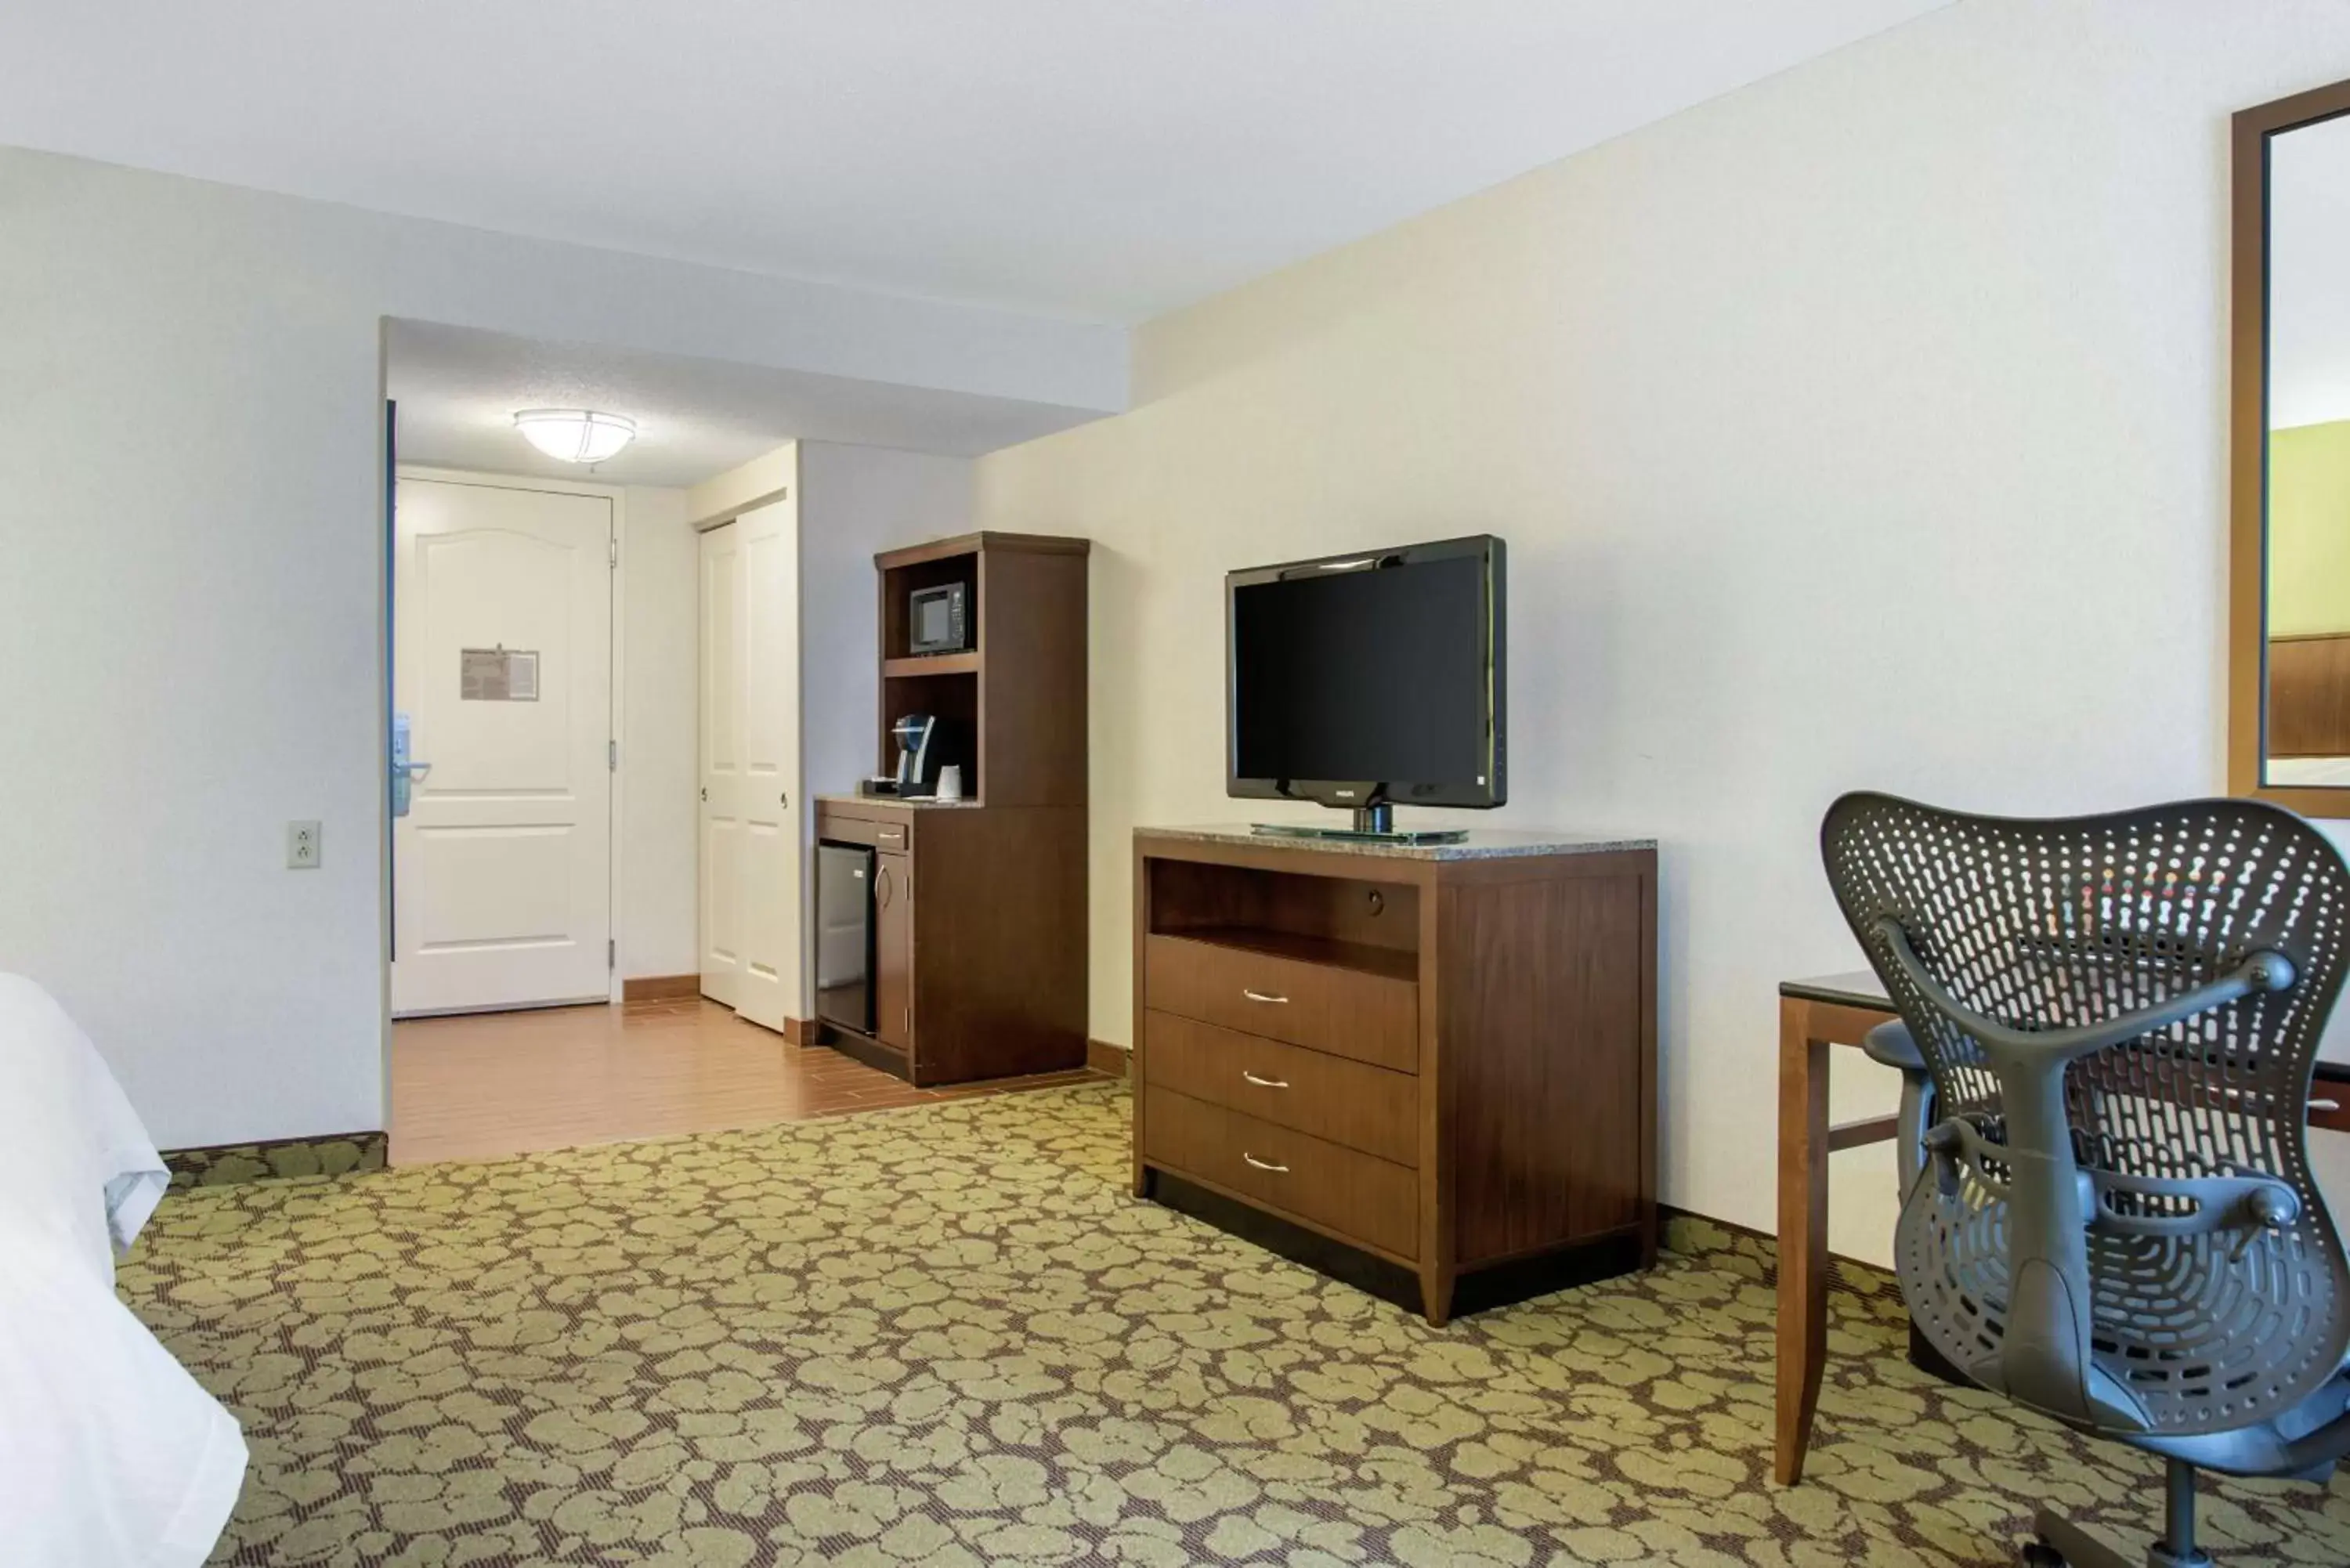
(1813, 1014)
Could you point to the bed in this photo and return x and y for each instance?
(111, 1455)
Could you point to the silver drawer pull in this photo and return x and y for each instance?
(1261, 1165)
(1261, 996)
(1264, 1082)
(2324, 1105)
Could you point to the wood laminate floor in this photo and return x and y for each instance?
(493, 1084)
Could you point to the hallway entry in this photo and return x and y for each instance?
(487, 1088)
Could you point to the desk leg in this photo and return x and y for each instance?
(1802, 1232)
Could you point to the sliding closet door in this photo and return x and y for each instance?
(767, 986)
(751, 853)
(722, 836)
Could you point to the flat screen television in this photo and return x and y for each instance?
(1369, 680)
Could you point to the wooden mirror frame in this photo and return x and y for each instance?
(2248, 418)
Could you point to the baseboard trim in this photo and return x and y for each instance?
(1104, 1057)
(659, 986)
(801, 1030)
(276, 1159)
(1845, 1273)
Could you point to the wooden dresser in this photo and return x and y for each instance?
(1442, 1057)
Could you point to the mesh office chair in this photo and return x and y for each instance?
(2112, 1217)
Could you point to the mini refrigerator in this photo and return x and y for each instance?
(844, 936)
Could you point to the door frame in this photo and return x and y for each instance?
(616, 724)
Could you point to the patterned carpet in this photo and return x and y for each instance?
(946, 1337)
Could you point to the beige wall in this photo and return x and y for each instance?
(2309, 529)
(1861, 429)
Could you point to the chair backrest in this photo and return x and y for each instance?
(2121, 1014)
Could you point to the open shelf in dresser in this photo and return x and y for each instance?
(1346, 922)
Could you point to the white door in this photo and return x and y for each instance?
(722, 763)
(501, 658)
(750, 850)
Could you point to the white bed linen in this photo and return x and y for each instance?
(111, 1455)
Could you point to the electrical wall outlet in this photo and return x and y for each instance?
(301, 847)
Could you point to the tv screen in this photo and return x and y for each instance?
(1374, 676)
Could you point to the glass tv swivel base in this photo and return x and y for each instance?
(1372, 824)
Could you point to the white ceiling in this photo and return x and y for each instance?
(1107, 159)
(458, 390)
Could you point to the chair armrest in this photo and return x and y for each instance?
(2257, 972)
(1891, 1045)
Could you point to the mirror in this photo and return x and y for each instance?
(2289, 688)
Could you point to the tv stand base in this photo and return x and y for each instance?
(1374, 825)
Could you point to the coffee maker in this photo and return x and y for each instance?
(921, 750)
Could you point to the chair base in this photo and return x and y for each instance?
(2064, 1544)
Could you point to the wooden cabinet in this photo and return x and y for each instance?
(982, 972)
(979, 937)
(1438, 1057)
(893, 949)
(2309, 696)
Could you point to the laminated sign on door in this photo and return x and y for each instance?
(497, 675)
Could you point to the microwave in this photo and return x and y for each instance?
(937, 620)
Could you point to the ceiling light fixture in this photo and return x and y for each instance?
(575, 435)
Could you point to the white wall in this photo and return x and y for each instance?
(856, 502)
(190, 497)
(1864, 428)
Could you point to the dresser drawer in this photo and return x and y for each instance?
(1352, 1012)
(892, 831)
(1356, 1194)
(1347, 1102)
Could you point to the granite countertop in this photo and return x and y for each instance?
(1483, 842)
(909, 801)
